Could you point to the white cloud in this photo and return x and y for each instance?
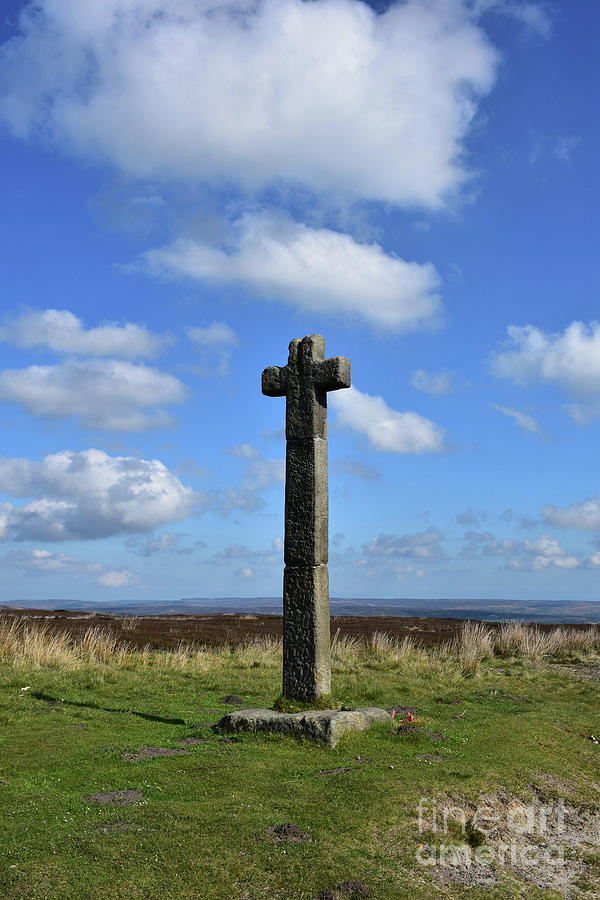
(260, 474)
(570, 359)
(471, 517)
(103, 393)
(584, 412)
(433, 382)
(42, 562)
(214, 345)
(219, 334)
(312, 269)
(560, 148)
(62, 331)
(114, 579)
(244, 451)
(88, 494)
(235, 553)
(484, 543)
(355, 467)
(404, 571)
(523, 420)
(162, 543)
(329, 94)
(534, 16)
(387, 430)
(544, 552)
(584, 515)
(424, 545)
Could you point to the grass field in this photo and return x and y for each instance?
(501, 754)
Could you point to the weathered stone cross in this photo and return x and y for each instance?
(305, 382)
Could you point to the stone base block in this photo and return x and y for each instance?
(324, 725)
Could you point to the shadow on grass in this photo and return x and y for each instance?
(149, 716)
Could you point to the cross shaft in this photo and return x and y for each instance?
(305, 381)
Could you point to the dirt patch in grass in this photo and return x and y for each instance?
(149, 752)
(349, 890)
(548, 784)
(435, 735)
(115, 827)
(231, 698)
(115, 798)
(404, 729)
(589, 671)
(287, 832)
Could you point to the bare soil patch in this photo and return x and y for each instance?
(287, 832)
(116, 798)
(149, 752)
(115, 827)
(349, 890)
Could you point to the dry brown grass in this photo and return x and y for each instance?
(475, 642)
(23, 642)
(519, 639)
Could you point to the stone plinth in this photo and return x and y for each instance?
(323, 725)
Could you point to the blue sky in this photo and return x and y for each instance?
(188, 186)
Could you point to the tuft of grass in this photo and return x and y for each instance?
(473, 644)
(521, 639)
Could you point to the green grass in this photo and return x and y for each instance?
(199, 831)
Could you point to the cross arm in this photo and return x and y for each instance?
(332, 374)
(274, 381)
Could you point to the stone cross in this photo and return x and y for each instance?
(304, 383)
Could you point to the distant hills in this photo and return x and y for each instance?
(557, 611)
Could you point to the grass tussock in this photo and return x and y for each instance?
(473, 644)
(23, 642)
(519, 639)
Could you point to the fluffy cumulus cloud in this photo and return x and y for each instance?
(312, 269)
(43, 562)
(433, 382)
(583, 515)
(88, 494)
(63, 332)
(523, 420)
(386, 429)
(256, 92)
(108, 394)
(423, 545)
(570, 359)
(544, 552)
